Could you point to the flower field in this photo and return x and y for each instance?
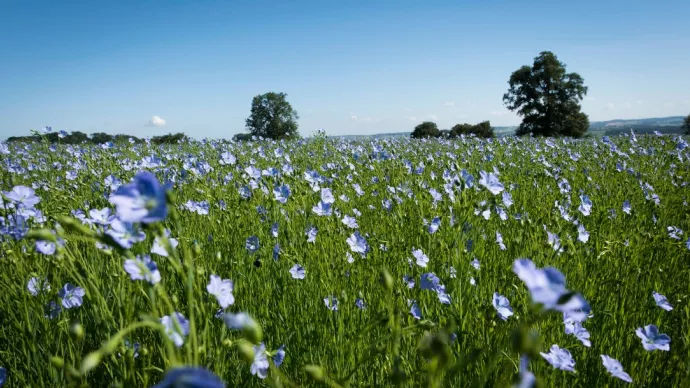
(347, 263)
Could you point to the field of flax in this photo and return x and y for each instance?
(346, 263)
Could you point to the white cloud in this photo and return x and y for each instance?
(627, 105)
(449, 103)
(433, 117)
(369, 119)
(155, 122)
(610, 106)
(411, 118)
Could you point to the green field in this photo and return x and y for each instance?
(223, 200)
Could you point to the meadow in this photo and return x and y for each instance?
(347, 262)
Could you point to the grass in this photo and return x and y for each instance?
(627, 257)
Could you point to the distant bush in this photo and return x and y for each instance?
(425, 129)
(482, 129)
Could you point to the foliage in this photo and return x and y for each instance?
(686, 125)
(547, 98)
(77, 137)
(425, 130)
(482, 129)
(423, 212)
(272, 117)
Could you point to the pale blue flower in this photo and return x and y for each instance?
(490, 182)
(350, 222)
(615, 368)
(585, 205)
(222, 290)
(421, 259)
(652, 340)
(72, 296)
(502, 306)
(176, 327)
(415, 311)
(260, 365)
(434, 225)
(358, 244)
(37, 285)
(143, 200)
(311, 234)
(279, 356)
(143, 268)
(560, 358)
(331, 303)
(298, 272)
(661, 301)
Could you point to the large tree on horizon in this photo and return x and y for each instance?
(547, 98)
(686, 125)
(272, 117)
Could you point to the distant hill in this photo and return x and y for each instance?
(670, 124)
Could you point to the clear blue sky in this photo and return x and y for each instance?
(349, 67)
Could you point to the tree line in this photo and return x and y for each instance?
(77, 137)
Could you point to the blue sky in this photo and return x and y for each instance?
(349, 67)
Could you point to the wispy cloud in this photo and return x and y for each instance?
(365, 119)
(411, 118)
(449, 103)
(499, 113)
(155, 121)
(433, 117)
(610, 106)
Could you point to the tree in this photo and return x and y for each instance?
(686, 125)
(482, 129)
(272, 117)
(425, 129)
(547, 98)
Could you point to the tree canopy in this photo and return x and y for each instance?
(425, 129)
(547, 98)
(686, 125)
(482, 129)
(272, 117)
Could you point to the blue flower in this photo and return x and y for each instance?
(311, 234)
(52, 310)
(274, 230)
(626, 207)
(573, 327)
(652, 340)
(331, 303)
(298, 272)
(176, 327)
(327, 196)
(222, 290)
(143, 268)
(661, 301)
(615, 368)
(434, 225)
(359, 302)
(502, 306)
(560, 358)
(125, 233)
(158, 247)
(37, 285)
(23, 197)
(142, 200)
(491, 182)
(238, 321)
(279, 356)
(281, 193)
(409, 281)
(585, 205)
(190, 377)
(415, 311)
(507, 199)
(252, 244)
(72, 296)
(45, 247)
(350, 222)
(582, 234)
(547, 287)
(260, 365)
(322, 209)
(421, 259)
(358, 244)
